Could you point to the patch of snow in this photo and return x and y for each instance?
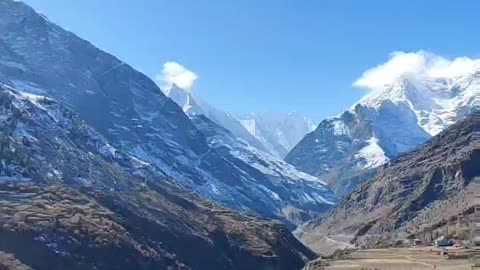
(28, 87)
(121, 127)
(107, 150)
(250, 126)
(21, 132)
(339, 128)
(278, 132)
(139, 161)
(372, 154)
(82, 181)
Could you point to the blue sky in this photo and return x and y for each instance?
(270, 55)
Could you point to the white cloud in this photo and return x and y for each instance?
(419, 64)
(175, 73)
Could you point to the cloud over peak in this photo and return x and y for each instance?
(175, 73)
(419, 64)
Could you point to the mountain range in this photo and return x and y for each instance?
(261, 171)
(415, 196)
(70, 200)
(133, 114)
(279, 132)
(102, 169)
(391, 120)
(272, 132)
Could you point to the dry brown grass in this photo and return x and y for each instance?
(9, 262)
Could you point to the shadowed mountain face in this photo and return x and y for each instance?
(125, 106)
(415, 193)
(70, 200)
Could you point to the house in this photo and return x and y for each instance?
(442, 241)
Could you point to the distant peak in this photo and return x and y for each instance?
(175, 86)
(175, 90)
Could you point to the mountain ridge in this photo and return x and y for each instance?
(297, 195)
(280, 132)
(407, 197)
(70, 200)
(389, 121)
(126, 107)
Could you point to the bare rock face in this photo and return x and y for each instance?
(412, 196)
(70, 200)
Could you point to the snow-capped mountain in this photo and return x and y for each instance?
(391, 120)
(306, 194)
(131, 112)
(69, 195)
(193, 105)
(184, 99)
(274, 133)
(263, 171)
(279, 132)
(415, 194)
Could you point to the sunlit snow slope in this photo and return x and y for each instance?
(394, 118)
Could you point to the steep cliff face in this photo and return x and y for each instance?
(418, 191)
(70, 200)
(388, 122)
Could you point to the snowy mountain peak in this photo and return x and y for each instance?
(413, 97)
(434, 101)
(280, 132)
(184, 99)
(275, 133)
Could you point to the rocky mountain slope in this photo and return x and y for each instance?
(193, 105)
(125, 106)
(414, 194)
(389, 121)
(279, 132)
(274, 133)
(298, 196)
(70, 200)
(306, 196)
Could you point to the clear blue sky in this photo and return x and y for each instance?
(270, 55)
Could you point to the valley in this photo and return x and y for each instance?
(104, 167)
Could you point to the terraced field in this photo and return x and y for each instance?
(397, 259)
